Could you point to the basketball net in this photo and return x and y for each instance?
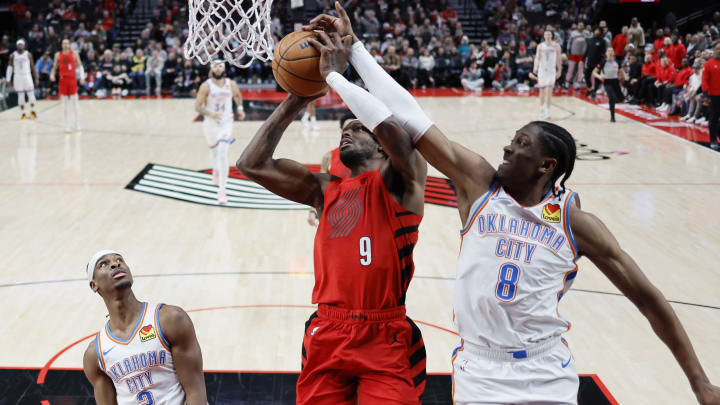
(237, 31)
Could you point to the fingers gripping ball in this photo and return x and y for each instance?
(296, 64)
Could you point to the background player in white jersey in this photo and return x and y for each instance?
(146, 353)
(507, 318)
(25, 77)
(546, 69)
(68, 64)
(214, 101)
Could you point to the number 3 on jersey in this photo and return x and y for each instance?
(146, 398)
(365, 251)
(508, 277)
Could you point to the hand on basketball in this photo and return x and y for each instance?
(708, 394)
(331, 24)
(334, 52)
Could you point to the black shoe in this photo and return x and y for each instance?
(612, 119)
(715, 146)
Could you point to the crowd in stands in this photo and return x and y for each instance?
(421, 44)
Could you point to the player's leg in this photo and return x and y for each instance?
(392, 362)
(64, 102)
(76, 110)
(222, 168)
(33, 101)
(210, 133)
(321, 380)
(21, 103)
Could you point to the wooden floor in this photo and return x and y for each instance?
(63, 197)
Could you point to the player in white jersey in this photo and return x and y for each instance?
(25, 77)
(518, 254)
(546, 69)
(214, 102)
(147, 353)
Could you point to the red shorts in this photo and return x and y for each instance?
(67, 87)
(374, 356)
(576, 58)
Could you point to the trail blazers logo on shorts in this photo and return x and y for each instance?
(551, 213)
(147, 333)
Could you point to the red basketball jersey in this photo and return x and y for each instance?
(363, 245)
(337, 168)
(66, 66)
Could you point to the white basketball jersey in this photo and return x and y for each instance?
(21, 64)
(141, 367)
(220, 99)
(515, 265)
(548, 57)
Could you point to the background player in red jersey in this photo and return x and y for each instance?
(359, 345)
(66, 63)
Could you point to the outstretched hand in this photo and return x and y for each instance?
(330, 24)
(334, 52)
(708, 394)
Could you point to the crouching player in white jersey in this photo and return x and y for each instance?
(521, 238)
(21, 68)
(147, 353)
(214, 101)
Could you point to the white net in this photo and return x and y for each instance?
(237, 31)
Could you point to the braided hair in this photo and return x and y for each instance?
(557, 143)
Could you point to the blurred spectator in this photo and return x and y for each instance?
(117, 82)
(170, 69)
(524, 63)
(619, 43)
(471, 78)
(187, 81)
(43, 67)
(410, 66)
(137, 70)
(153, 70)
(392, 63)
(427, 64)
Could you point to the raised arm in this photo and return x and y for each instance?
(404, 161)
(103, 388)
(179, 332)
(471, 174)
(596, 242)
(284, 177)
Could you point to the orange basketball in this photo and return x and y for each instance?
(295, 65)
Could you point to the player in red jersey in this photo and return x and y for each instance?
(66, 62)
(359, 345)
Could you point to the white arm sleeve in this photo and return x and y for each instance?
(369, 110)
(8, 74)
(403, 106)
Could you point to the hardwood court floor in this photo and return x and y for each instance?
(63, 197)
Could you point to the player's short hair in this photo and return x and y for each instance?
(557, 142)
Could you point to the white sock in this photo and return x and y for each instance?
(213, 159)
(76, 110)
(223, 166)
(31, 96)
(381, 85)
(64, 100)
(21, 100)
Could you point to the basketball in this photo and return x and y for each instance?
(296, 63)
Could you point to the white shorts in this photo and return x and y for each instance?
(546, 376)
(23, 83)
(546, 78)
(216, 131)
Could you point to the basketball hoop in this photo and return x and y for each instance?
(237, 31)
